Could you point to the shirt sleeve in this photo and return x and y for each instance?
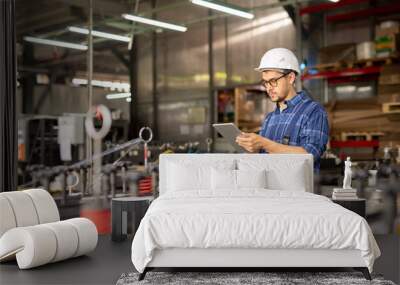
(314, 134)
(263, 130)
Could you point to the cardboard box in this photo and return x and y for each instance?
(365, 50)
(390, 74)
(389, 79)
(390, 69)
(388, 43)
(388, 89)
(381, 32)
(335, 53)
(389, 98)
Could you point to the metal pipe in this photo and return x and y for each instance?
(90, 54)
(228, 65)
(133, 78)
(211, 75)
(89, 142)
(107, 152)
(299, 44)
(112, 183)
(154, 71)
(325, 98)
(133, 110)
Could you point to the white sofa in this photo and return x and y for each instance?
(31, 231)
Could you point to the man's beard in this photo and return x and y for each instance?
(276, 99)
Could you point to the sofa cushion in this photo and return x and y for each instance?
(87, 235)
(23, 208)
(67, 240)
(32, 246)
(7, 218)
(45, 205)
(41, 244)
(26, 208)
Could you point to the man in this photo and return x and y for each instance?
(298, 124)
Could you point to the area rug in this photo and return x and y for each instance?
(243, 278)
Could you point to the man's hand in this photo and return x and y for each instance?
(249, 141)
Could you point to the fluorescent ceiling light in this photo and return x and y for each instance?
(224, 7)
(99, 34)
(154, 23)
(364, 89)
(113, 85)
(118, 96)
(55, 43)
(334, 1)
(346, 89)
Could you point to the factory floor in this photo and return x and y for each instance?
(103, 266)
(111, 259)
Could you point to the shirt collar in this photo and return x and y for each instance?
(299, 97)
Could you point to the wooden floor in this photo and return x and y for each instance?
(111, 259)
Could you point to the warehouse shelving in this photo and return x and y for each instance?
(354, 144)
(347, 69)
(245, 106)
(352, 15)
(373, 117)
(354, 68)
(369, 12)
(342, 73)
(329, 6)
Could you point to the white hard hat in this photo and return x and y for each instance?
(279, 58)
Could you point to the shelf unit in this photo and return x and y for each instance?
(243, 105)
(354, 144)
(347, 72)
(356, 72)
(337, 70)
(361, 13)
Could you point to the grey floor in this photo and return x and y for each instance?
(103, 266)
(110, 260)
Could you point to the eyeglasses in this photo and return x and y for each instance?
(272, 82)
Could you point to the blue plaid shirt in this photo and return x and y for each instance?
(303, 123)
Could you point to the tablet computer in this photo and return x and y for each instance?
(229, 131)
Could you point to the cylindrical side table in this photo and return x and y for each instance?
(356, 205)
(126, 214)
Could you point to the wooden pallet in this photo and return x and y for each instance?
(340, 65)
(326, 67)
(391, 108)
(371, 62)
